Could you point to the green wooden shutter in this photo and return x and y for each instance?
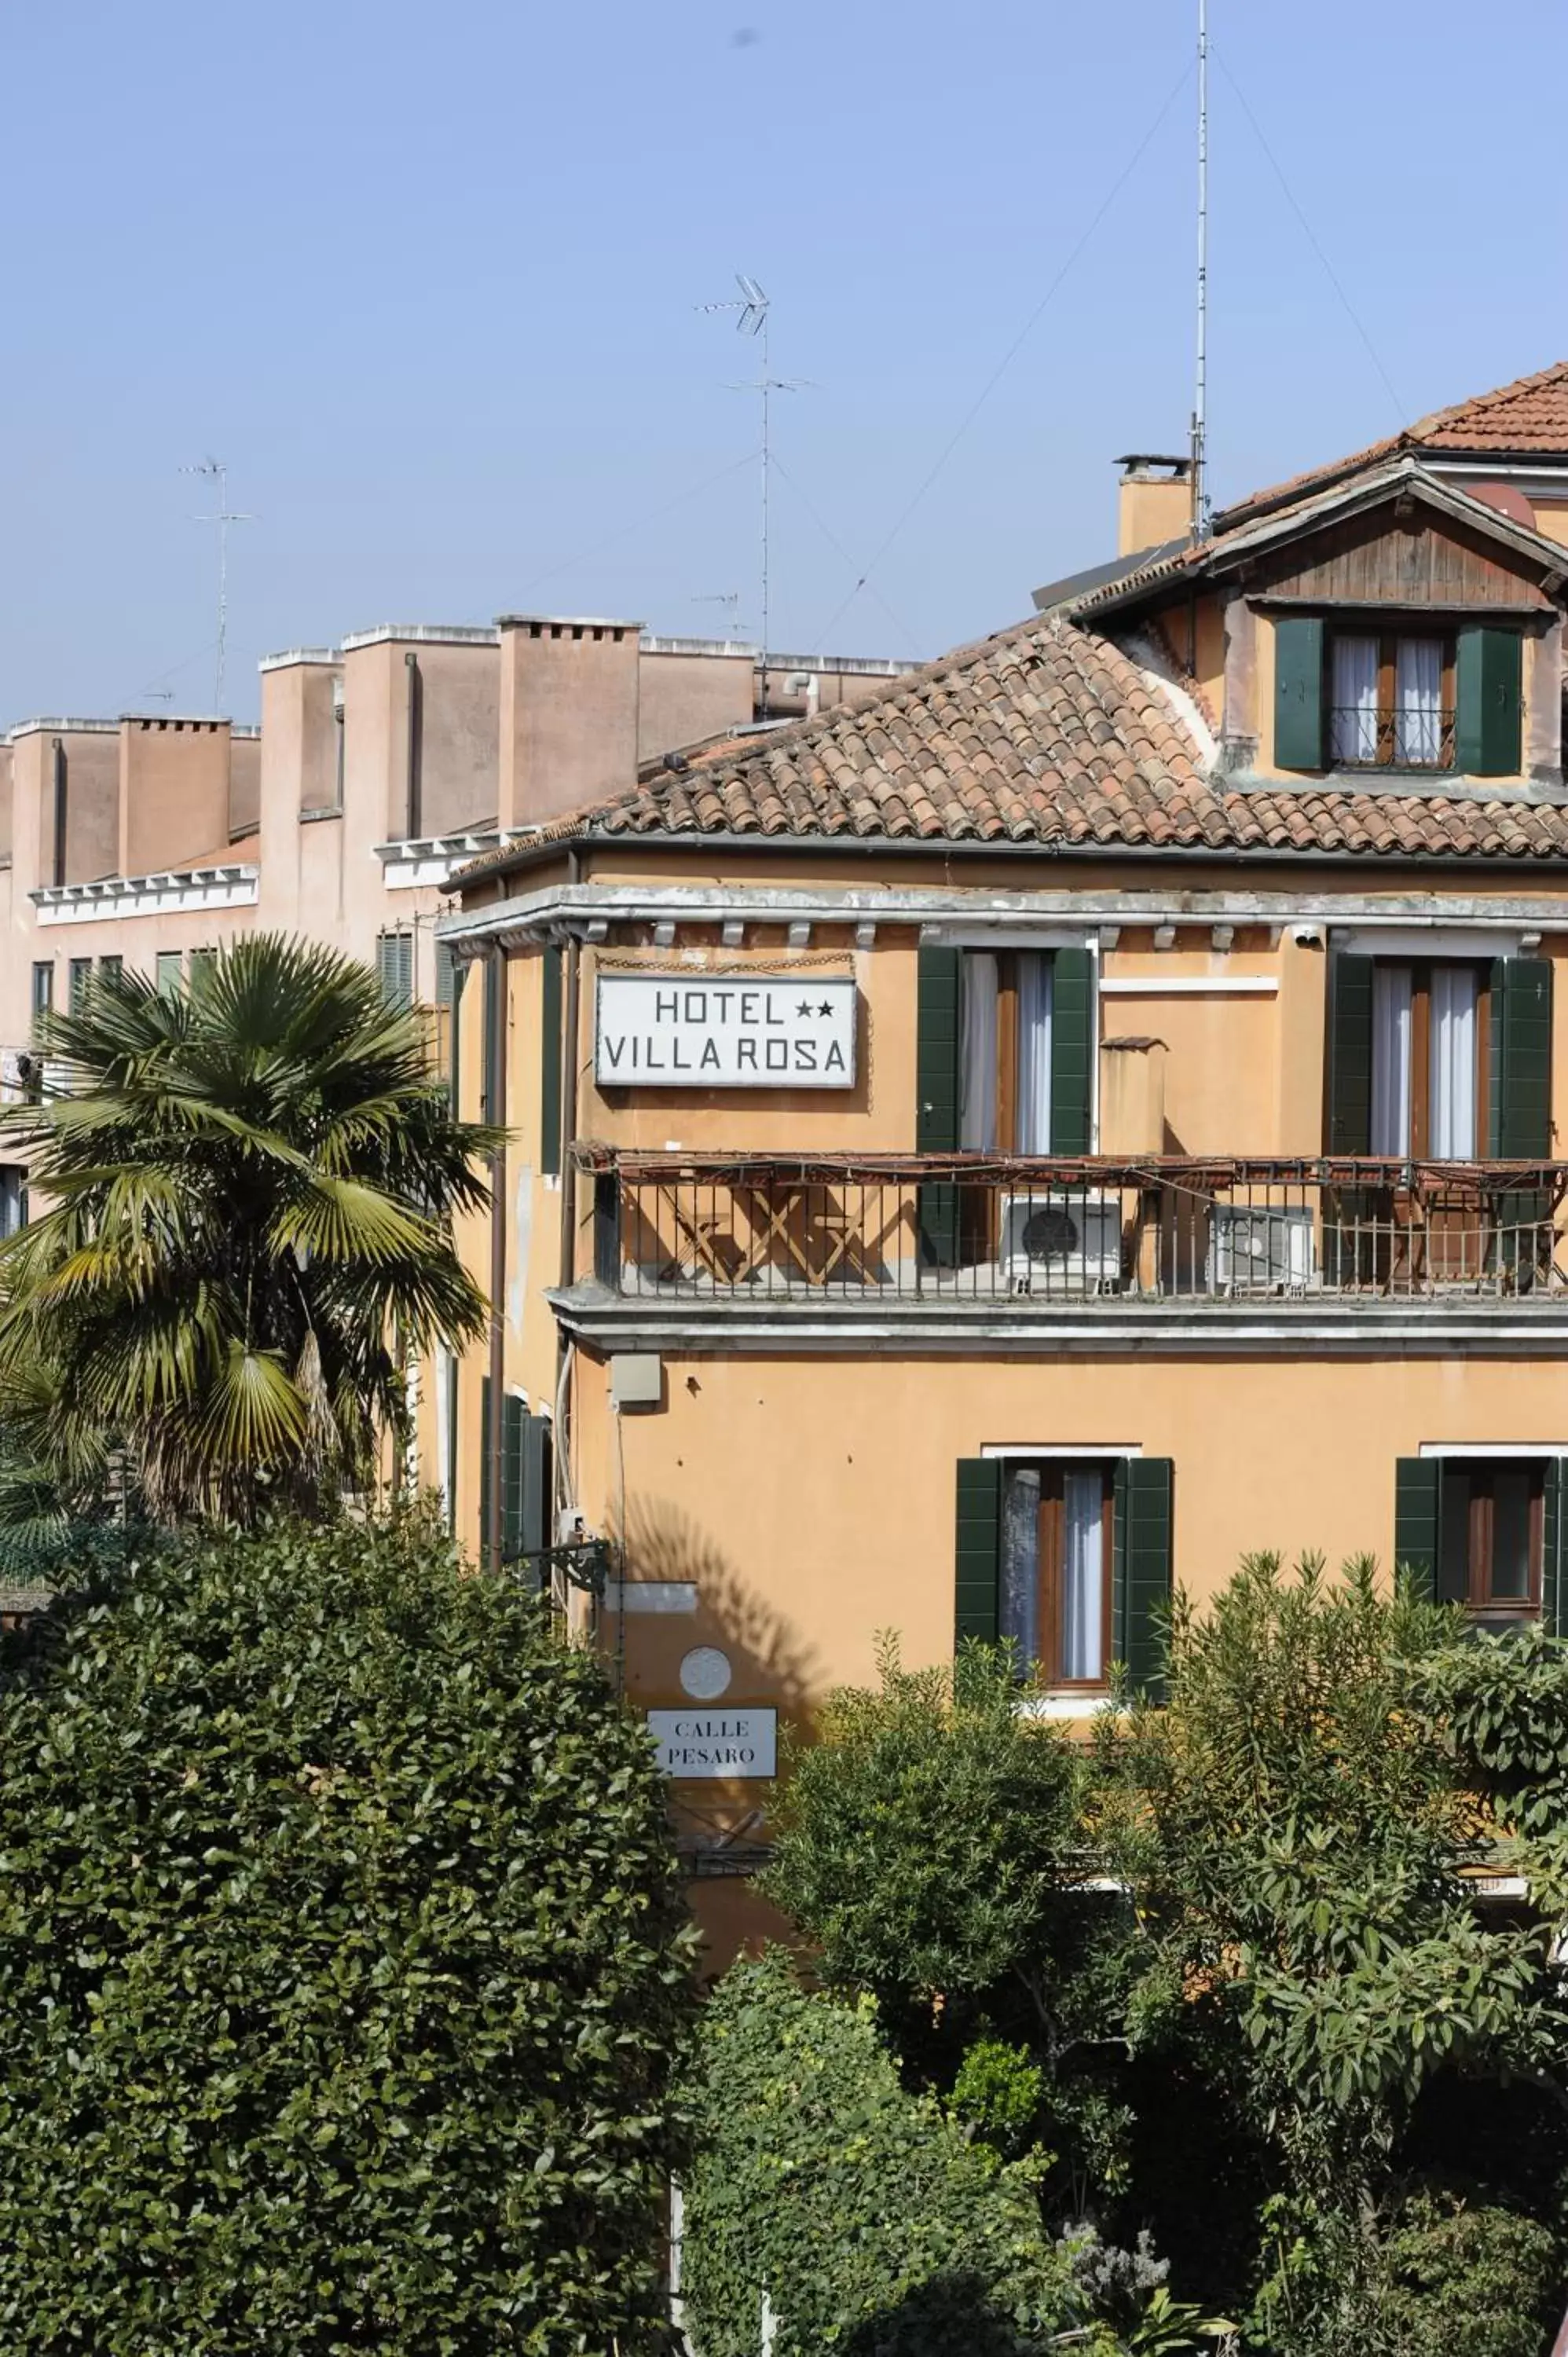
(1417, 1522)
(1489, 702)
(1519, 1110)
(550, 1065)
(937, 1093)
(536, 1472)
(978, 1550)
(458, 973)
(203, 966)
(454, 1457)
(1298, 691)
(1073, 1028)
(1141, 1569)
(1350, 1054)
(514, 1428)
(483, 1470)
(395, 967)
(1555, 1546)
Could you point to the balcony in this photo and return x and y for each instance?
(1075, 1236)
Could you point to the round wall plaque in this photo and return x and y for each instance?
(706, 1673)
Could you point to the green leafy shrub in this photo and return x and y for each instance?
(997, 2092)
(1468, 2282)
(342, 1966)
(875, 2228)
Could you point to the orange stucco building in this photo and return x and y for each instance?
(1095, 1108)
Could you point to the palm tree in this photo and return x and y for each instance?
(251, 1184)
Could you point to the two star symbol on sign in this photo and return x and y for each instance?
(805, 1007)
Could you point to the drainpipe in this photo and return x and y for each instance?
(416, 744)
(60, 791)
(565, 1489)
(496, 981)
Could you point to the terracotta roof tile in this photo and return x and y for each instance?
(1048, 734)
(1526, 418)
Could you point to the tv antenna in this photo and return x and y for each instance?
(730, 600)
(753, 307)
(1199, 467)
(216, 473)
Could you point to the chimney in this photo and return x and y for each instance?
(568, 714)
(1155, 502)
(174, 791)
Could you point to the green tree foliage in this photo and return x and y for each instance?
(1296, 1836)
(250, 1187)
(877, 2230)
(924, 1836)
(342, 1966)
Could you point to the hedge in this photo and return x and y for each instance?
(861, 2210)
(342, 1964)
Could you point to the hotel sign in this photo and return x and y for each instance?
(726, 1031)
(709, 1742)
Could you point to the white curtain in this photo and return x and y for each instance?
(1353, 699)
(1455, 998)
(977, 1114)
(1083, 1576)
(1020, 1616)
(1418, 690)
(1033, 1053)
(1391, 1060)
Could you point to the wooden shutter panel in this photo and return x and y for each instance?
(978, 1550)
(1417, 1522)
(483, 1470)
(514, 1426)
(550, 1064)
(1555, 1546)
(395, 967)
(1298, 691)
(458, 975)
(1141, 1569)
(1072, 1051)
(937, 1094)
(1350, 1054)
(536, 1472)
(1519, 1110)
(1489, 701)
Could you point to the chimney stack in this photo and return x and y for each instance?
(1155, 502)
(568, 714)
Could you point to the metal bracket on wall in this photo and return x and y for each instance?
(586, 1565)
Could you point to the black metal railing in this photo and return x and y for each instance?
(1361, 739)
(956, 1228)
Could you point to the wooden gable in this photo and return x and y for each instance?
(1415, 560)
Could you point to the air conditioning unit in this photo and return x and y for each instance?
(1262, 1251)
(1061, 1242)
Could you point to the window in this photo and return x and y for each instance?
(13, 1199)
(80, 975)
(169, 970)
(1490, 1526)
(110, 968)
(1430, 1031)
(43, 986)
(394, 965)
(1055, 1586)
(1005, 1071)
(1391, 700)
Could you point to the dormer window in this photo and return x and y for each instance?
(1355, 694)
(1391, 700)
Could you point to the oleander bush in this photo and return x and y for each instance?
(343, 1964)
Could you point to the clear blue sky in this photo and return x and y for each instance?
(426, 277)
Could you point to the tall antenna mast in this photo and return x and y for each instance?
(1199, 469)
(217, 474)
(753, 306)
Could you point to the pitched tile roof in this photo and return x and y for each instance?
(1049, 735)
(1527, 418)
